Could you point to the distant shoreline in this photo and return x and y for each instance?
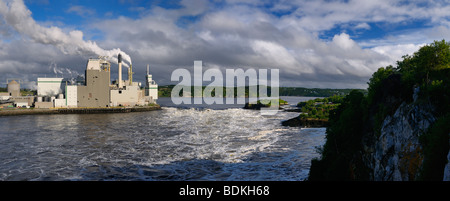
(15, 112)
(306, 122)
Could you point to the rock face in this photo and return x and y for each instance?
(398, 155)
(447, 168)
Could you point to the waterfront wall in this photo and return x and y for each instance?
(13, 112)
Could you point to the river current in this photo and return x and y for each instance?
(175, 143)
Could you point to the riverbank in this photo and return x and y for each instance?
(23, 111)
(258, 105)
(305, 122)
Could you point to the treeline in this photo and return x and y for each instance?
(23, 92)
(316, 92)
(359, 117)
(165, 91)
(258, 104)
(314, 113)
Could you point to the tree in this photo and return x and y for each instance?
(416, 69)
(343, 141)
(375, 83)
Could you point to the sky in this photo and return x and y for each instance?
(314, 44)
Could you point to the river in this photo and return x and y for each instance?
(200, 142)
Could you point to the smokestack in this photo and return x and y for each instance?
(120, 71)
(16, 15)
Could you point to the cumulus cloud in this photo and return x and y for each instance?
(235, 35)
(17, 15)
(363, 25)
(322, 14)
(236, 38)
(395, 52)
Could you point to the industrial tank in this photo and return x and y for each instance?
(14, 88)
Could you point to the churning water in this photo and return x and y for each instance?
(169, 144)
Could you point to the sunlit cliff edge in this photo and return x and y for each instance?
(399, 131)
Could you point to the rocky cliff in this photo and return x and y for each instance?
(447, 168)
(400, 131)
(402, 149)
(398, 154)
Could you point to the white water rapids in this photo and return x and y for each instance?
(170, 144)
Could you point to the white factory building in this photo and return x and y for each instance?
(151, 88)
(50, 86)
(97, 90)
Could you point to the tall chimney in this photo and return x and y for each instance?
(120, 71)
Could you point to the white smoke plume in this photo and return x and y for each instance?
(62, 71)
(18, 16)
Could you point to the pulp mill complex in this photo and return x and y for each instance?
(96, 91)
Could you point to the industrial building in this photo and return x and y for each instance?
(50, 86)
(151, 88)
(127, 92)
(97, 91)
(13, 97)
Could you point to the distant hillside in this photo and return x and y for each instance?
(316, 92)
(165, 91)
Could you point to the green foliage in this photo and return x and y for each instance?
(416, 69)
(28, 92)
(343, 141)
(375, 83)
(428, 69)
(265, 103)
(436, 146)
(359, 117)
(23, 92)
(437, 92)
(165, 91)
(319, 108)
